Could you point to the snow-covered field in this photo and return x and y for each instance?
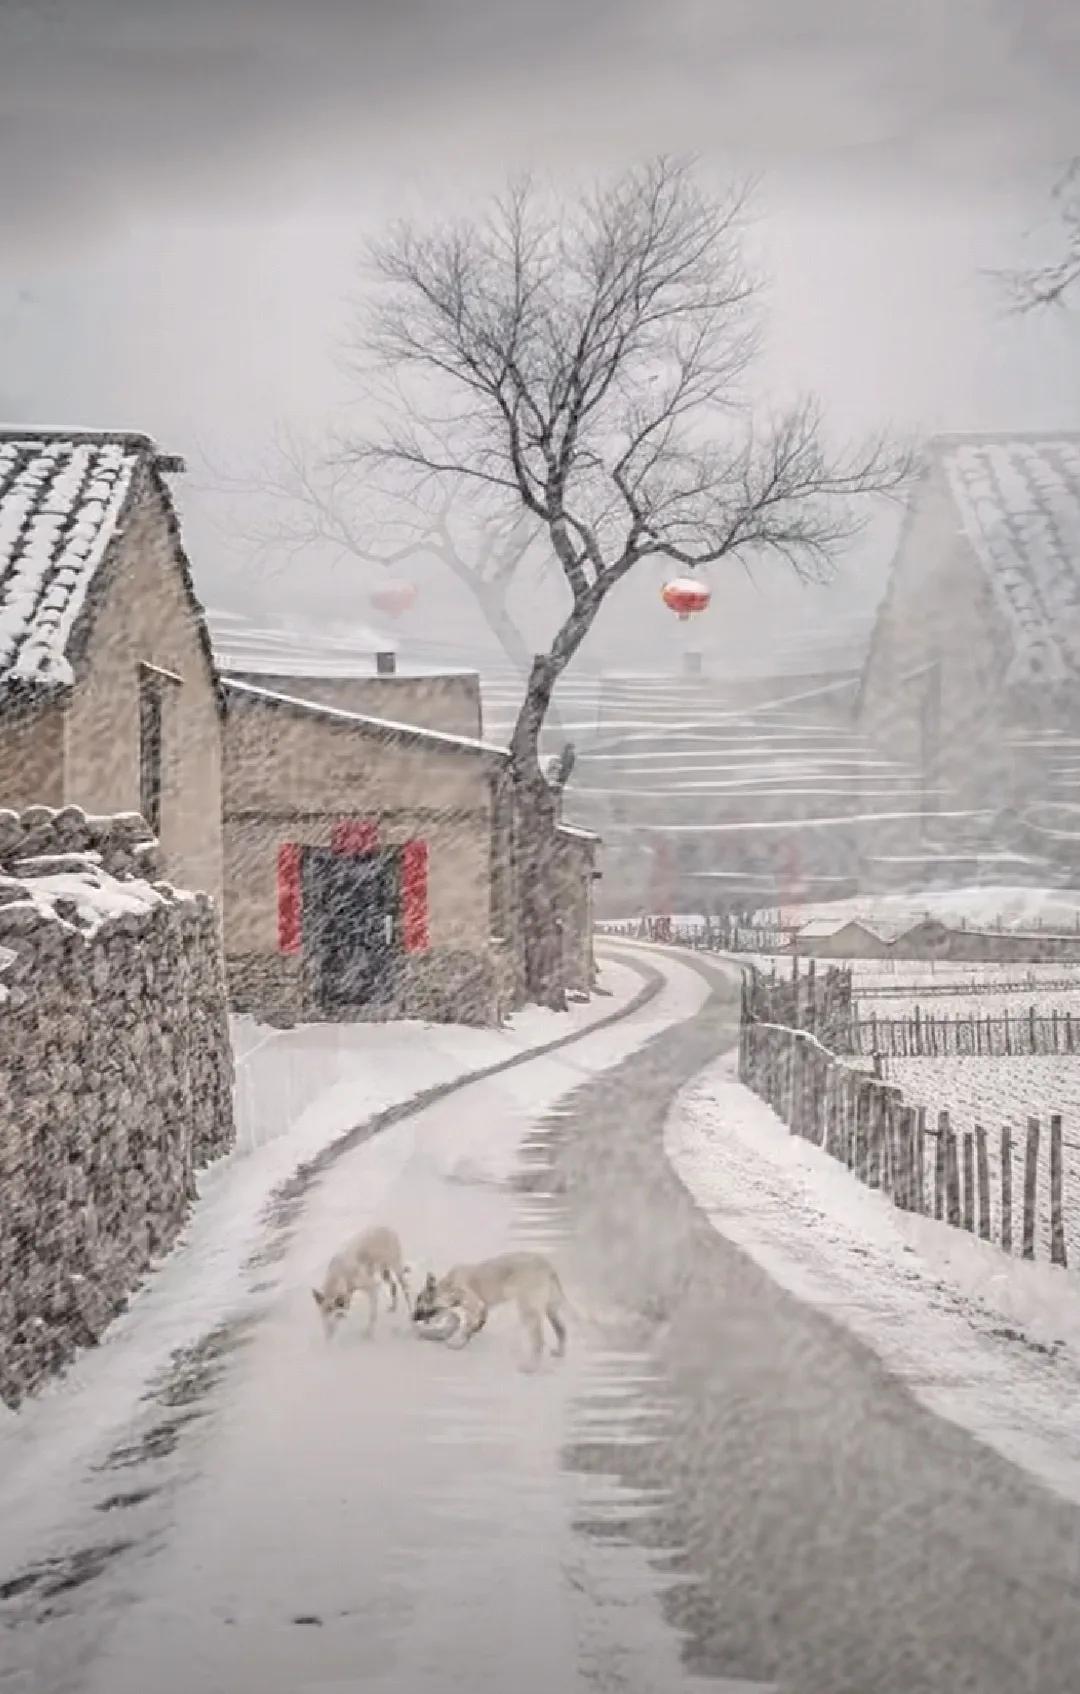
(990, 1342)
(1003, 1093)
(989, 907)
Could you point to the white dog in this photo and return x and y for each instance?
(372, 1257)
(468, 1291)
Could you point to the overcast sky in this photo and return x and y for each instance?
(185, 187)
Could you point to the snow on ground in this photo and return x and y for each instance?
(990, 1342)
(1007, 907)
(297, 1091)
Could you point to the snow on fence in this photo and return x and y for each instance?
(706, 935)
(1010, 1190)
(931, 1036)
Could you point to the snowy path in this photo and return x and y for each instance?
(720, 1487)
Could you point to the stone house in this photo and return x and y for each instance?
(576, 874)
(108, 696)
(971, 681)
(366, 864)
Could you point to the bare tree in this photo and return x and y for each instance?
(1053, 283)
(311, 502)
(584, 364)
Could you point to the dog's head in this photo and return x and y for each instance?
(332, 1309)
(428, 1302)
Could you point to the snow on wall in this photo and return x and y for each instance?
(115, 1076)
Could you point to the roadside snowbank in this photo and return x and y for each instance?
(990, 1342)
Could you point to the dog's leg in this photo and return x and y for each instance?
(403, 1284)
(535, 1331)
(373, 1306)
(472, 1314)
(388, 1278)
(554, 1317)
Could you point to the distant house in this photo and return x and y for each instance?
(933, 940)
(973, 674)
(108, 698)
(355, 668)
(825, 938)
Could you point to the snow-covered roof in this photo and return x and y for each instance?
(1018, 499)
(62, 497)
(382, 727)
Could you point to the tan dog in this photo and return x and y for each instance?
(470, 1290)
(372, 1257)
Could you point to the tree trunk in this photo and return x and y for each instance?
(537, 810)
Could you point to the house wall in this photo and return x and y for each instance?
(322, 771)
(31, 757)
(447, 703)
(143, 616)
(575, 859)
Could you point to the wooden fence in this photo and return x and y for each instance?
(932, 1036)
(929, 1168)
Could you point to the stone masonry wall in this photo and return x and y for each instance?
(115, 1076)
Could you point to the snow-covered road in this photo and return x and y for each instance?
(720, 1487)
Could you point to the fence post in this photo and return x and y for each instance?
(918, 1034)
(969, 1181)
(1031, 1028)
(1058, 1255)
(951, 1170)
(875, 1135)
(1006, 1192)
(1031, 1175)
(983, 1163)
(939, 1165)
(919, 1194)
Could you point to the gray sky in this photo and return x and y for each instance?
(185, 187)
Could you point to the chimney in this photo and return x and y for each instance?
(385, 664)
(691, 664)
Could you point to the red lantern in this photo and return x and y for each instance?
(685, 595)
(395, 599)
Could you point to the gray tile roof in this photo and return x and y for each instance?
(1019, 503)
(63, 495)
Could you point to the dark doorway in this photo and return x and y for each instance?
(352, 908)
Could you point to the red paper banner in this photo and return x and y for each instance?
(414, 897)
(354, 835)
(289, 899)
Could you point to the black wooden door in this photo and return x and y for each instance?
(351, 925)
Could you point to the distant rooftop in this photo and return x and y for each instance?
(1019, 503)
(287, 647)
(63, 494)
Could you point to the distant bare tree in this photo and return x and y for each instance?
(310, 501)
(583, 364)
(1053, 283)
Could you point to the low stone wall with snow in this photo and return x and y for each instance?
(115, 1076)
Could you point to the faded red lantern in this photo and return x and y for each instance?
(685, 595)
(395, 599)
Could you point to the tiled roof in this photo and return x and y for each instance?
(62, 495)
(1019, 503)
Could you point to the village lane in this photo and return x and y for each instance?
(718, 1488)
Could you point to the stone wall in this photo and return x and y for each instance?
(115, 1076)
